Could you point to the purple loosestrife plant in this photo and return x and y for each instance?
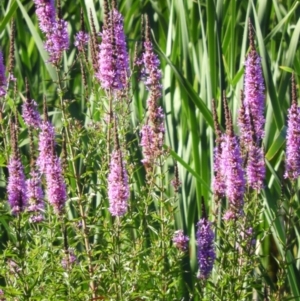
(56, 186)
(118, 187)
(152, 134)
(292, 164)
(218, 184)
(55, 30)
(254, 89)
(113, 58)
(16, 186)
(121, 47)
(57, 41)
(46, 140)
(30, 113)
(81, 39)
(35, 197)
(180, 240)
(45, 12)
(2, 77)
(147, 143)
(255, 170)
(244, 122)
(206, 251)
(232, 169)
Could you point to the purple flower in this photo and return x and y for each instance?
(231, 169)
(153, 132)
(118, 187)
(46, 141)
(56, 186)
(147, 142)
(16, 187)
(229, 215)
(121, 47)
(30, 113)
(254, 92)
(206, 252)
(69, 260)
(45, 12)
(113, 57)
(256, 170)
(81, 39)
(35, 198)
(244, 122)
(219, 186)
(2, 77)
(150, 71)
(292, 164)
(57, 41)
(180, 240)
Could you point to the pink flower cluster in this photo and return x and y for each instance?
(55, 30)
(118, 186)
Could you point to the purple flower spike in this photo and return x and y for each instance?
(118, 187)
(113, 56)
(16, 187)
(46, 140)
(244, 122)
(107, 72)
(150, 71)
(147, 142)
(292, 164)
(206, 252)
(231, 168)
(153, 132)
(45, 12)
(57, 41)
(254, 89)
(56, 186)
(180, 240)
(30, 113)
(121, 47)
(256, 170)
(219, 186)
(292, 168)
(2, 77)
(151, 142)
(81, 39)
(35, 198)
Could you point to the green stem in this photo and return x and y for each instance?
(79, 194)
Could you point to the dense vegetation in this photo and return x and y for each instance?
(121, 150)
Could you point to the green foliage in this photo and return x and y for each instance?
(202, 47)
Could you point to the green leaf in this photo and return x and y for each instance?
(8, 15)
(185, 85)
(287, 69)
(277, 144)
(188, 167)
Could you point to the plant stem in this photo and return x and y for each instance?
(78, 192)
